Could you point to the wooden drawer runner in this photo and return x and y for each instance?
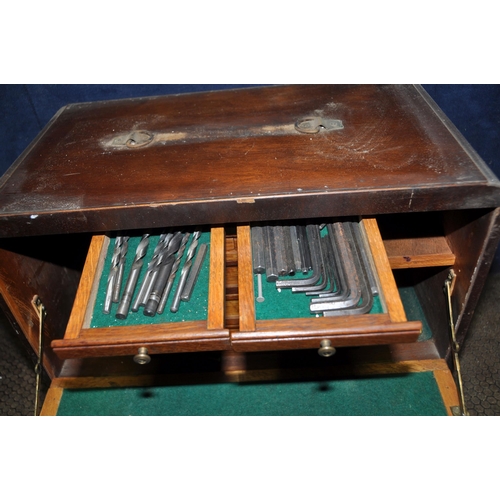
(389, 326)
(85, 337)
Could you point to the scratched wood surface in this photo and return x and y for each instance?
(235, 156)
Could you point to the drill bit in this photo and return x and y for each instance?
(122, 242)
(128, 292)
(185, 271)
(113, 273)
(194, 273)
(173, 273)
(151, 272)
(163, 273)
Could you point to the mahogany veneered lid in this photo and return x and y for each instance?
(242, 155)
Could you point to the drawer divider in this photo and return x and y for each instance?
(245, 280)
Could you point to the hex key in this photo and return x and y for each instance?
(270, 255)
(351, 265)
(319, 257)
(367, 295)
(258, 250)
(363, 245)
(336, 269)
(329, 270)
(304, 249)
(348, 276)
(311, 233)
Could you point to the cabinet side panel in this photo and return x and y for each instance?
(49, 268)
(473, 236)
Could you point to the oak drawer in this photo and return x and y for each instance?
(194, 328)
(385, 327)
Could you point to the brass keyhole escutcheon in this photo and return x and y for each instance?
(326, 350)
(142, 357)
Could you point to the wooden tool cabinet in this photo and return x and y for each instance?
(224, 160)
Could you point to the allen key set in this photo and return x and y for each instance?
(175, 254)
(334, 259)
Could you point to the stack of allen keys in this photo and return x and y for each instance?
(159, 276)
(338, 267)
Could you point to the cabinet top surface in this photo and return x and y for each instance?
(242, 155)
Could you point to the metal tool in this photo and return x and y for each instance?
(279, 248)
(318, 263)
(173, 273)
(351, 294)
(304, 249)
(270, 255)
(336, 264)
(128, 292)
(194, 273)
(360, 300)
(151, 272)
(297, 257)
(258, 250)
(112, 276)
(123, 243)
(312, 232)
(167, 262)
(343, 279)
(365, 254)
(260, 296)
(330, 271)
(184, 273)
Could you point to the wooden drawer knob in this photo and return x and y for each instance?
(142, 357)
(326, 350)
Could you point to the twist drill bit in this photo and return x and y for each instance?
(173, 273)
(163, 273)
(194, 273)
(113, 274)
(128, 292)
(151, 272)
(123, 245)
(184, 273)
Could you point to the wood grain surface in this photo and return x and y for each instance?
(49, 267)
(246, 293)
(408, 253)
(391, 296)
(87, 289)
(216, 280)
(235, 156)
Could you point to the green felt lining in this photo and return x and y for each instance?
(194, 310)
(394, 395)
(414, 311)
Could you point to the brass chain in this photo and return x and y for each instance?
(455, 346)
(40, 309)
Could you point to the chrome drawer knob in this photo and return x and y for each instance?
(142, 357)
(326, 350)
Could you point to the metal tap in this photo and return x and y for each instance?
(128, 292)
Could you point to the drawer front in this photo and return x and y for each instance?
(259, 331)
(198, 325)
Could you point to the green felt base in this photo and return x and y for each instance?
(395, 395)
(194, 310)
(414, 311)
